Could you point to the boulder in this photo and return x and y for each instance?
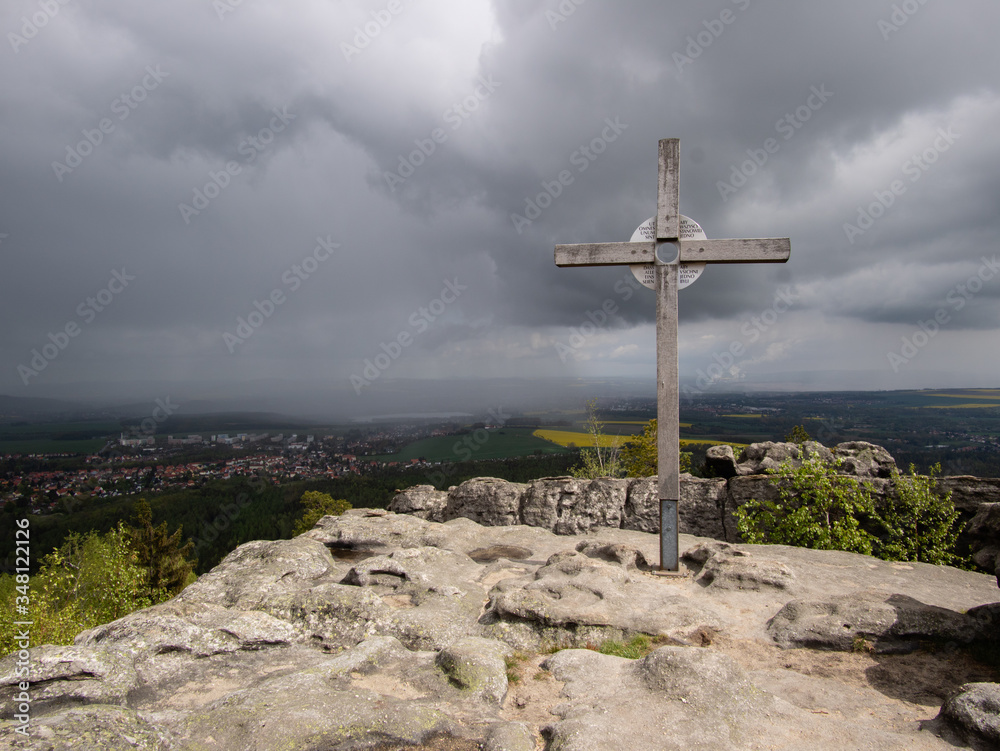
(740, 570)
(878, 621)
(570, 505)
(627, 556)
(477, 665)
(421, 501)
(642, 505)
(700, 512)
(761, 458)
(721, 462)
(863, 459)
(510, 736)
(487, 501)
(983, 532)
(247, 575)
(576, 600)
(975, 711)
(702, 507)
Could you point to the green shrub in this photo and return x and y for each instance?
(821, 509)
(640, 456)
(919, 524)
(90, 580)
(817, 508)
(315, 506)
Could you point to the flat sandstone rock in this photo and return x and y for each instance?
(382, 630)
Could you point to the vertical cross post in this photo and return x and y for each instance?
(667, 253)
(667, 381)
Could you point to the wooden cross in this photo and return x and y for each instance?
(667, 252)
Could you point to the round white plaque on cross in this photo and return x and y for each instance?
(688, 273)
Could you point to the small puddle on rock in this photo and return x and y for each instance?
(349, 555)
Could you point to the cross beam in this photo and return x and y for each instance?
(667, 253)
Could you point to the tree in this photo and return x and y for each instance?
(89, 580)
(603, 459)
(315, 506)
(919, 524)
(639, 455)
(798, 435)
(817, 508)
(168, 564)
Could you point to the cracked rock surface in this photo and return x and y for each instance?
(378, 630)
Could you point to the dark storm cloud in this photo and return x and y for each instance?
(206, 148)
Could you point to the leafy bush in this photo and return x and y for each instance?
(315, 506)
(919, 524)
(817, 508)
(640, 455)
(798, 435)
(90, 580)
(821, 509)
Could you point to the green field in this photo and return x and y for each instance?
(947, 398)
(48, 446)
(57, 437)
(492, 444)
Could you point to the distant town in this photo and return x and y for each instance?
(959, 428)
(136, 464)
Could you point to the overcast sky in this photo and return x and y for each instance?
(353, 192)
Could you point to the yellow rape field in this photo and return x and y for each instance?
(566, 437)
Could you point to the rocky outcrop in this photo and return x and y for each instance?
(760, 458)
(570, 505)
(879, 622)
(983, 532)
(422, 501)
(379, 630)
